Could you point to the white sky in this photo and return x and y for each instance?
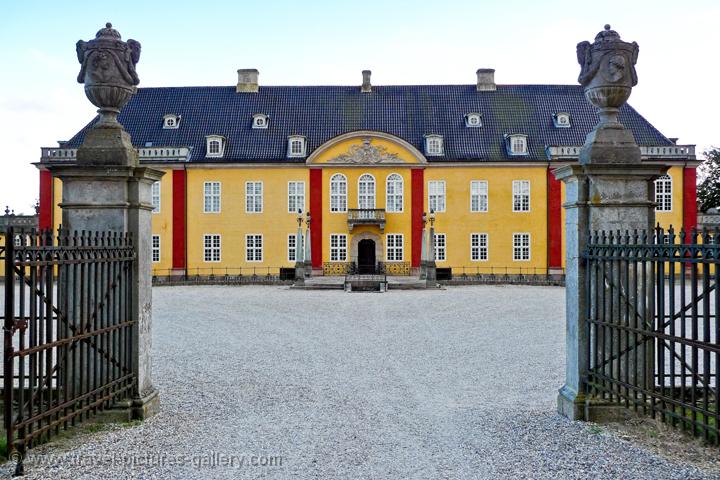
(330, 42)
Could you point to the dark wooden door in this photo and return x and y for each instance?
(366, 256)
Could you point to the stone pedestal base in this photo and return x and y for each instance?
(146, 406)
(578, 406)
(571, 404)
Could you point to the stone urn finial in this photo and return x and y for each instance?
(607, 72)
(108, 72)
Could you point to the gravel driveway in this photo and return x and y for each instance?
(453, 384)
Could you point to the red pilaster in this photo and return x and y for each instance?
(554, 221)
(179, 196)
(316, 210)
(417, 197)
(689, 198)
(45, 220)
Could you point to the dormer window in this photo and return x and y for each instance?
(516, 144)
(561, 120)
(171, 120)
(260, 120)
(473, 120)
(296, 146)
(434, 145)
(215, 146)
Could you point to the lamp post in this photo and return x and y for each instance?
(299, 251)
(430, 272)
(308, 249)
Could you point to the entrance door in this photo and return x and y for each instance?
(366, 256)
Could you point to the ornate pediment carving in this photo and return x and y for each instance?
(366, 154)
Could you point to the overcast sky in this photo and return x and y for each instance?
(330, 42)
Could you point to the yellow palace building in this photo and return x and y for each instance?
(366, 162)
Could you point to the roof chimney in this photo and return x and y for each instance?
(366, 87)
(247, 80)
(486, 80)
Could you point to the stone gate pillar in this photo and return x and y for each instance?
(107, 190)
(610, 189)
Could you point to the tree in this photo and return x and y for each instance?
(708, 192)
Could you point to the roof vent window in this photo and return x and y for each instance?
(473, 120)
(215, 146)
(260, 120)
(561, 120)
(434, 145)
(516, 144)
(296, 146)
(171, 120)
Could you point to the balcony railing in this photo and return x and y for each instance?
(366, 216)
(145, 154)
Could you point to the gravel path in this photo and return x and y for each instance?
(449, 384)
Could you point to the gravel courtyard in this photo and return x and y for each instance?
(459, 383)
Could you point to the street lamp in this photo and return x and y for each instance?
(299, 218)
(432, 217)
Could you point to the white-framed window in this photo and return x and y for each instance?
(211, 202)
(394, 193)
(434, 145)
(521, 247)
(516, 144)
(478, 196)
(292, 247)
(155, 248)
(521, 195)
(155, 193)
(253, 247)
(663, 194)
(215, 146)
(561, 120)
(296, 196)
(260, 120)
(338, 193)
(338, 247)
(436, 195)
(171, 121)
(366, 191)
(253, 197)
(440, 247)
(478, 247)
(211, 247)
(296, 146)
(394, 247)
(19, 241)
(473, 120)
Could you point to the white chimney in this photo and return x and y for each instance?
(486, 80)
(247, 80)
(366, 87)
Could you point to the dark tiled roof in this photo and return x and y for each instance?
(409, 112)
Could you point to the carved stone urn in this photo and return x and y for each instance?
(608, 75)
(108, 72)
(607, 71)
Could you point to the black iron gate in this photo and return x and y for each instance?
(67, 330)
(653, 326)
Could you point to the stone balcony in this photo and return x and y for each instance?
(366, 216)
(148, 154)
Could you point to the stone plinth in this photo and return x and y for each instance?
(598, 197)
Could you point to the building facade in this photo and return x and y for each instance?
(369, 164)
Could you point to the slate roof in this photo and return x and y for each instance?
(410, 112)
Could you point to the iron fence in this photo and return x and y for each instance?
(68, 330)
(653, 326)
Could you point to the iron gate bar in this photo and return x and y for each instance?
(77, 360)
(636, 356)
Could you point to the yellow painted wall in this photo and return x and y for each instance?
(674, 217)
(388, 146)
(162, 225)
(336, 222)
(500, 222)
(274, 223)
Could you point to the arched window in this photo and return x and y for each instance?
(338, 193)
(394, 193)
(663, 194)
(366, 191)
